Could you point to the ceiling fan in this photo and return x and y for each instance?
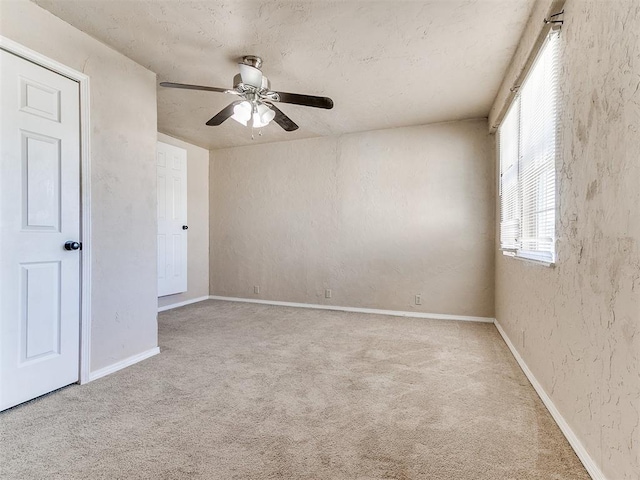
(256, 104)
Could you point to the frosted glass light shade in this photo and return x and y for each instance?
(263, 116)
(242, 113)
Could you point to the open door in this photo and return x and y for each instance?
(39, 231)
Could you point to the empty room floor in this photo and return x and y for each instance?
(245, 391)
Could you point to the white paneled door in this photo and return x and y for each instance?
(172, 219)
(39, 214)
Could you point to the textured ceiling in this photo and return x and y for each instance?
(384, 63)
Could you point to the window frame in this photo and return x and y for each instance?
(518, 252)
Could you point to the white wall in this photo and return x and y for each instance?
(123, 179)
(581, 319)
(198, 221)
(377, 217)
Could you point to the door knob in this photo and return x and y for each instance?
(185, 227)
(70, 245)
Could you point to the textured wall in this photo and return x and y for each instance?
(581, 319)
(377, 217)
(198, 221)
(123, 179)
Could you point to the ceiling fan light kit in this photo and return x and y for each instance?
(261, 115)
(256, 107)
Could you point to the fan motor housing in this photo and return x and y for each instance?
(238, 85)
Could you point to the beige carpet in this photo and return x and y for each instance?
(245, 391)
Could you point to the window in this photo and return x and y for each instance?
(528, 146)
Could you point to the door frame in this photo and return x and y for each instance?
(85, 192)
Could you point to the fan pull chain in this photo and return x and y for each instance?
(252, 135)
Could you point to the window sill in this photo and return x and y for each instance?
(522, 258)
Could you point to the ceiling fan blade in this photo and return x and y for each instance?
(193, 87)
(221, 116)
(306, 100)
(281, 119)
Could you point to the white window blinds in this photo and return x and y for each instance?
(528, 139)
(509, 163)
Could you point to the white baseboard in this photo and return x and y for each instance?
(581, 452)
(394, 313)
(127, 362)
(182, 304)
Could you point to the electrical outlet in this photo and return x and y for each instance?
(327, 293)
(418, 300)
(256, 289)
